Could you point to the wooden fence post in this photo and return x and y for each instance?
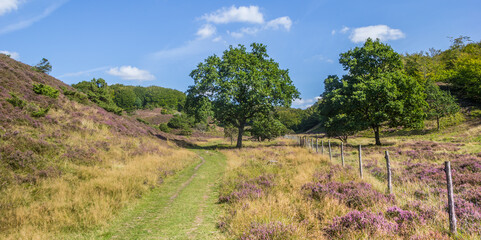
(322, 147)
(330, 151)
(342, 153)
(317, 145)
(360, 161)
(452, 215)
(388, 167)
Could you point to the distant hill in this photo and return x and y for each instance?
(61, 155)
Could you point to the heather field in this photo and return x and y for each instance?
(292, 192)
(68, 165)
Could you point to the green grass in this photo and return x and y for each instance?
(184, 207)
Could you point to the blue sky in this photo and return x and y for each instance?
(159, 42)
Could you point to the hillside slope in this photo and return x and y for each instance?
(72, 168)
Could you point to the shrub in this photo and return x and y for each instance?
(167, 111)
(354, 195)
(164, 128)
(269, 231)
(475, 113)
(469, 217)
(366, 222)
(143, 121)
(186, 131)
(180, 121)
(248, 189)
(75, 96)
(16, 101)
(46, 90)
(41, 112)
(406, 220)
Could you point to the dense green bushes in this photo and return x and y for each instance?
(45, 90)
(99, 92)
(136, 97)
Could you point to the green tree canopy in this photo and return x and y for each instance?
(376, 91)
(99, 92)
(441, 103)
(267, 127)
(241, 85)
(43, 66)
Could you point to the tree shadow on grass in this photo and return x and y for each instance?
(190, 145)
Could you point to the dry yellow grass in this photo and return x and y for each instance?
(87, 196)
(295, 166)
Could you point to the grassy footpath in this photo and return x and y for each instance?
(183, 208)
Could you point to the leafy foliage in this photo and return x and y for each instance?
(41, 112)
(16, 101)
(99, 92)
(376, 91)
(43, 66)
(180, 121)
(241, 85)
(46, 90)
(460, 65)
(441, 103)
(136, 97)
(164, 127)
(267, 128)
(75, 96)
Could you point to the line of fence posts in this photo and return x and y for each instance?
(309, 142)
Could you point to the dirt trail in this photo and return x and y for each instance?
(184, 207)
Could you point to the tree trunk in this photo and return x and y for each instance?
(376, 135)
(437, 121)
(239, 136)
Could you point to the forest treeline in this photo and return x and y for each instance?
(380, 88)
(117, 98)
(385, 88)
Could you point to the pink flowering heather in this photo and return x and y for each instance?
(468, 215)
(249, 189)
(353, 194)
(368, 223)
(406, 220)
(269, 231)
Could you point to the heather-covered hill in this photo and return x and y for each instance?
(66, 164)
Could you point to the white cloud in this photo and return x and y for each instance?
(304, 103)
(8, 5)
(13, 55)
(382, 32)
(131, 73)
(29, 22)
(280, 22)
(244, 31)
(333, 32)
(206, 31)
(249, 14)
(345, 29)
(83, 73)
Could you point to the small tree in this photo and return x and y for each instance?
(267, 128)
(241, 85)
(231, 133)
(43, 66)
(441, 103)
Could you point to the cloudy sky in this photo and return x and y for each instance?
(159, 42)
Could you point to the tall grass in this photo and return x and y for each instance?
(309, 197)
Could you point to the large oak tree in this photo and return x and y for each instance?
(375, 92)
(241, 85)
